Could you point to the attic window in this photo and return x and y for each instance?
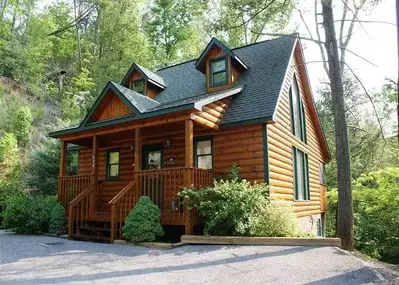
(218, 71)
(138, 86)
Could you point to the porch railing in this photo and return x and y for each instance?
(81, 209)
(69, 187)
(121, 205)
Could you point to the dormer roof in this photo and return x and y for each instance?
(150, 76)
(200, 63)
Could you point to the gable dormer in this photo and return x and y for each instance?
(143, 81)
(220, 65)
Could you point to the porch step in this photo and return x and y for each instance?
(94, 230)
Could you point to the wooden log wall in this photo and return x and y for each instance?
(241, 144)
(280, 142)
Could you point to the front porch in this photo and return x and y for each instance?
(98, 204)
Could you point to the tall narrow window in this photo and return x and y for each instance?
(298, 119)
(203, 153)
(138, 86)
(322, 177)
(218, 72)
(301, 175)
(113, 164)
(72, 162)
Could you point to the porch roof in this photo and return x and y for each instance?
(150, 108)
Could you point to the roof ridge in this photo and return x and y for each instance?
(236, 48)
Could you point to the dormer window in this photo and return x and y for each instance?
(218, 71)
(138, 86)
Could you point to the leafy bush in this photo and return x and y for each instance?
(57, 220)
(376, 208)
(144, 222)
(277, 219)
(28, 215)
(42, 172)
(229, 206)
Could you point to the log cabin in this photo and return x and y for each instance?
(184, 125)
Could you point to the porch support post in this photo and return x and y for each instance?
(137, 163)
(94, 173)
(63, 157)
(189, 159)
(137, 150)
(61, 195)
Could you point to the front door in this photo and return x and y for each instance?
(152, 182)
(152, 157)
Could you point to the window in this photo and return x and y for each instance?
(113, 164)
(297, 112)
(203, 153)
(301, 175)
(138, 86)
(72, 162)
(322, 177)
(218, 72)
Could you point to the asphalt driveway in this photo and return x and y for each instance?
(26, 260)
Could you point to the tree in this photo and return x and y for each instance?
(345, 203)
(174, 29)
(242, 22)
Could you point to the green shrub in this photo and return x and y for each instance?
(277, 219)
(376, 213)
(229, 206)
(28, 215)
(43, 167)
(57, 220)
(144, 222)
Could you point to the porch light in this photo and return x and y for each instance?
(167, 143)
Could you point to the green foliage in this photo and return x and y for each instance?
(22, 126)
(376, 207)
(42, 171)
(144, 222)
(28, 215)
(229, 206)
(58, 221)
(277, 219)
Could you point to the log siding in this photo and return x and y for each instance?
(280, 143)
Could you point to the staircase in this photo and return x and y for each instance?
(90, 220)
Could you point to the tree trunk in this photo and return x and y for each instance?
(345, 204)
(397, 33)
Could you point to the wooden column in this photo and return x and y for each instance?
(61, 195)
(94, 159)
(63, 158)
(94, 181)
(137, 150)
(137, 163)
(189, 160)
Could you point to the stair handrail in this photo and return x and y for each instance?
(114, 201)
(122, 193)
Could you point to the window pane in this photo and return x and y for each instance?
(205, 162)
(204, 147)
(219, 65)
(154, 159)
(300, 174)
(219, 78)
(138, 86)
(297, 112)
(113, 170)
(322, 173)
(73, 163)
(114, 157)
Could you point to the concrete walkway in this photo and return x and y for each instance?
(28, 260)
